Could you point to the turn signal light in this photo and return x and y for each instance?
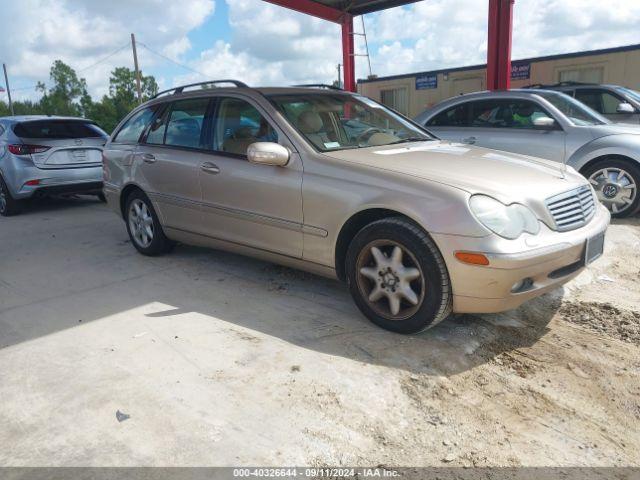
(472, 258)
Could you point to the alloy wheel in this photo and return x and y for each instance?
(615, 188)
(390, 279)
(141, 223)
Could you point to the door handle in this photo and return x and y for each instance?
(469, 140)
(210, 168)
(148, 158)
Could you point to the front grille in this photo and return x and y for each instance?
(572, 209)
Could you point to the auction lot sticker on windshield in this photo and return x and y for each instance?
(332, 145)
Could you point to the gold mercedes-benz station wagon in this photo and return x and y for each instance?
(339, 185)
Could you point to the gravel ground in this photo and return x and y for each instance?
(108, 358)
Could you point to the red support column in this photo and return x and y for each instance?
(499, 44)
(348, 57)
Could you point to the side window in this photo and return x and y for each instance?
(601, 101)
(238, 124)
(1, 130)
(457, 116)
(506, 113)
(131, 131)
(158, 127)
(184, 127)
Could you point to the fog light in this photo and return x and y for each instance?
(522, 285)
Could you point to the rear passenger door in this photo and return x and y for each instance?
(168, 161)
(255, 205)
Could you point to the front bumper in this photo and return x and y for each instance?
(549, 259)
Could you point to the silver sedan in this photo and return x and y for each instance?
(551, 125)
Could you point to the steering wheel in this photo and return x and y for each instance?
(364, 136)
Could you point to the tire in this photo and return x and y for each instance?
(143, 226)
(610, 188)
(420, 266)
(8, 205)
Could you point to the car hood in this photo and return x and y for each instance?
(615, 129)
(506, 176)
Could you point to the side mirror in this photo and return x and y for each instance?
(625, 107)
(544, 123)
(268, 153)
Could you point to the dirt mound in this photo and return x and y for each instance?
(604, 318)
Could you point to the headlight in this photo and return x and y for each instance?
(508, 221)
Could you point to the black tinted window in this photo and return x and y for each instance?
(457, 116)
(184, 127)
(131, 131)
(505, 113)
(601, 101)
(58, 129)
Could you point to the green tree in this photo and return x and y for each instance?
(68, 95)
(26, 107)
(122, 97)
(67, 90)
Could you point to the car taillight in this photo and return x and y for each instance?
(22, 149)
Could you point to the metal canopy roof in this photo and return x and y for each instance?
(360, 7)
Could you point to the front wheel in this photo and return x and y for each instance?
(397, 276)
(143, 226)
(616, 184)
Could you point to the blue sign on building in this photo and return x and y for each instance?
(427, 81)
(520, 70)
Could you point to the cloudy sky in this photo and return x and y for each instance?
(261, 44)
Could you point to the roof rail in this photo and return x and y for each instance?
(318, 85)
(180, 89)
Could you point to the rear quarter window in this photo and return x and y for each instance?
(58, 129)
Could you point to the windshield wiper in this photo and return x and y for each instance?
(411, 139)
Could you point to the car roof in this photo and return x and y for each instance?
(33, 118)
(514, 92)
(485, 94)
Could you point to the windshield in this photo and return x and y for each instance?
(338, 121)
(634, 94)
(576, 111)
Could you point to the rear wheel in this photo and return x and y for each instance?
(616, 183)
(397, 276)
(8, 205)
(143, 226)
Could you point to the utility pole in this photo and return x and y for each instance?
(339, 75)
(6, 81)
(135, 64)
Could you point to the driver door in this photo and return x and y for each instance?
(507, 124)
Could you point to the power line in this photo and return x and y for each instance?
(104, 59)
(172, 60)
